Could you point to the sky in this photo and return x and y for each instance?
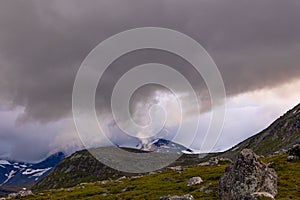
(255, 45)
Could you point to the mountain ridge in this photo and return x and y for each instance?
(15, 175)
(81, 166)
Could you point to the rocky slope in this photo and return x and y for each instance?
(83, 167)
(79, 167)
(281, 134)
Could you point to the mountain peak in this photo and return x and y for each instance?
(163, 146)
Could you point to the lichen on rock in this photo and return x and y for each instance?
(247, 176)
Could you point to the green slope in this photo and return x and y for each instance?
(174, 183)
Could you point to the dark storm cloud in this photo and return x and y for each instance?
(256, 44)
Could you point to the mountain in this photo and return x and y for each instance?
(280, 135)
(77, 168)
(18, 174)
(83, 167)
(164, 146)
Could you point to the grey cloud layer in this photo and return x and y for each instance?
(42, 43)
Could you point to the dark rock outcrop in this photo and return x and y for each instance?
(294, 153)
(246, 178)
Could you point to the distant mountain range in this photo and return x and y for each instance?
(21, 174)
(80, 166)
(83, 167)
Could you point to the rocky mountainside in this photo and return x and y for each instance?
(280, 135)
(79, 167)
(83, 167)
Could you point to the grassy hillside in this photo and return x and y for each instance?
(174, 183)
(147, 187)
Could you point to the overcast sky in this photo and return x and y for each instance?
(255, 44)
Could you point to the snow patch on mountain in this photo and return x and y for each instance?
(163, 146)
(36, 172)
(41, 173)
(19, 173)
(4, 162)
(9, 176)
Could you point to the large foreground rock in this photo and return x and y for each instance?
(246, 178)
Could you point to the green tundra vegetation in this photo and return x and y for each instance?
(169, 182)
